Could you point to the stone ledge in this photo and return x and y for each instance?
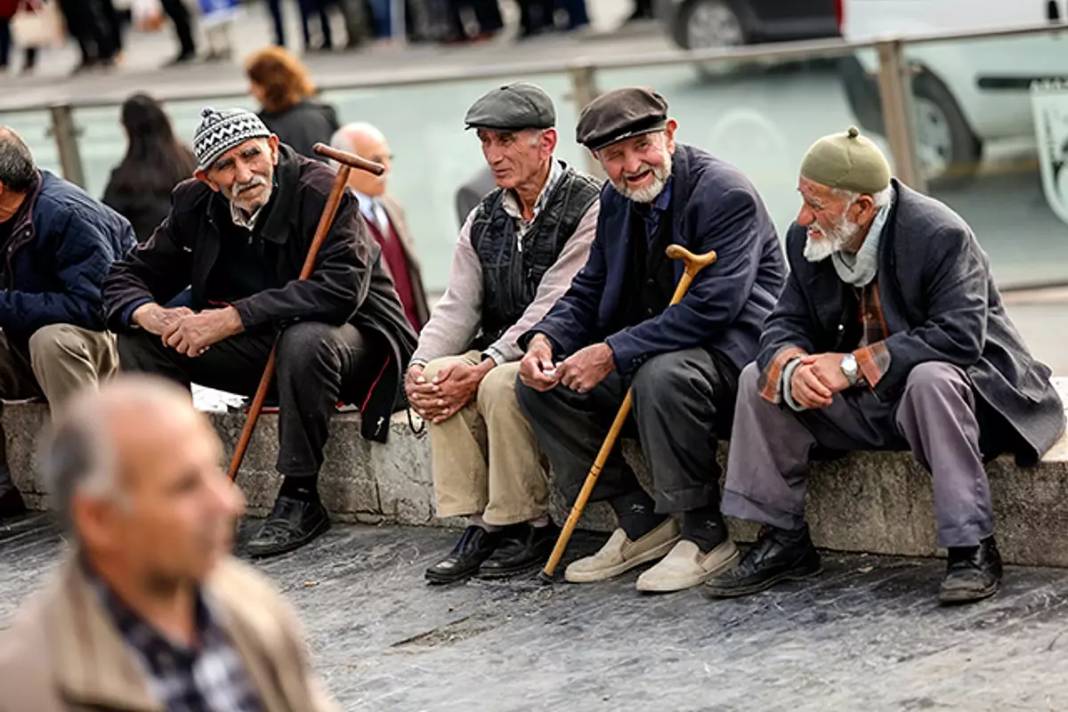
(873, 502)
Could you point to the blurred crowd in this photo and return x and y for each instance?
(98, 27)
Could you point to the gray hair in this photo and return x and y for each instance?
(17, 168)
(881, 198)
(342, 138)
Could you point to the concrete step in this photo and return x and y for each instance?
(871, 502)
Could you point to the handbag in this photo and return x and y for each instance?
(38, 24)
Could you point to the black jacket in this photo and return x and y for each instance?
(61, 247)
(303, 125)
(348, 283)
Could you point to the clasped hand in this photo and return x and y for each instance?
(452, 387)
(817, 379)
(581, 372)
(187, 332)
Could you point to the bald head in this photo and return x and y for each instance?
(367, 141)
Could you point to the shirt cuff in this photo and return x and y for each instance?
(127, 313)
(873, 362)
(787, 392)
(497, 356)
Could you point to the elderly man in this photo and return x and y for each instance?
(614, 329)
(239, 233)
(384, 217)
(58, 245)
(149, 612)
(518, 252)
(889, 335)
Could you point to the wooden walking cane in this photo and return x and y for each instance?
(346, 162)
(694, 264)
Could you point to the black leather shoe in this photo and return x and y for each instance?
(778, 555)
(475, 546)
(523, 548)
(291, 524)
(11, 504)
(972, 573)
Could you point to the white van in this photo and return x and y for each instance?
(966, 93)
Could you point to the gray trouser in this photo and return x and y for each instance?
(682, 400)
(935, 418)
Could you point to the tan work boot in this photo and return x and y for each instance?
(620, 554)
(685, 567)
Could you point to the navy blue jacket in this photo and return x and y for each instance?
(714, 207)
(61, 247)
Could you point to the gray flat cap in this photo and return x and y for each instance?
(512, 107)
(620, 114)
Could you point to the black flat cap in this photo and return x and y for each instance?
(512, 107)
(620, 114)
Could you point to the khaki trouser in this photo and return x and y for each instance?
(62, 359)
(485, 458)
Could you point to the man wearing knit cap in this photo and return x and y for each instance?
(239, 234)
(614, 329)
(517, 253)
(889, 335)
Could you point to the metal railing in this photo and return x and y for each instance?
(893, 81)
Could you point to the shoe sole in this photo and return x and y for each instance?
(683, 584)
(534, 565)
(442, 579)
(961, 597)
(718, 593)
(292, 546)
(613, 571)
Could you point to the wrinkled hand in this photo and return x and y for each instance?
(452, 387)
(537, 369)
(192, 335)
(583, 370)
(156, 319)
(828, 368)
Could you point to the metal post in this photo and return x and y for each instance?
(66, 135)
(583, 91)
(895, 90)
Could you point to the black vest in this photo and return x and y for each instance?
(510, 276)
(649, 271)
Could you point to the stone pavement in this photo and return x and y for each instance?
(866, 635)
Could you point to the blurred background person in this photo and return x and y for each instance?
(281, 85)
(385, 218)
(8, 8)
(150, 611)
(310, 11)
(535, 17)
(37, 24)
(278, 21)
(486, 15)
(86, 24)
(140, 187)
(183, 29)
(216, 17)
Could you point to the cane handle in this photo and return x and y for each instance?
(694, 263)
(349, 159)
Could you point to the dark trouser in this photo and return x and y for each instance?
(576, 12)
(935, 418)
(308, 8)
(681, 401)
(87, 25)
(179, 14)
(277, 21)
(318, 364)
(535, 16)
(5, 41)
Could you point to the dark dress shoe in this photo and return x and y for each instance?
(11, 504)
(475, 546)
(523, 548)
(972, 573)
(778, 555)
(291, 524)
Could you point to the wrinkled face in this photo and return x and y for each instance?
(244, 173)
(373, 148)
(639, 167)
(834, 221)
(516, 157)
(173, 515)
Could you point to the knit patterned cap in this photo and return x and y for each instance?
(847, 160)
(219, 131)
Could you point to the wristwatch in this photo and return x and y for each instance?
(850, 369)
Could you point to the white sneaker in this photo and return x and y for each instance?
(620, 554)
(685, 567)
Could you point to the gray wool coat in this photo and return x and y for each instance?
(940, 304)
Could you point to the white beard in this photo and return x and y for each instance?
(650, 192)
(834, 240)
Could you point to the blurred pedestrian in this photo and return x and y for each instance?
(280, 83)
(274, 7)
(577, 16)
(183, 29)
(310, 10)
(385, 217)
(487, 20)
(535, 17)
(216, 17)
(38, 23)
(140, 187)
(643, 10)
(149, 610)
(95, 40)
(358, 18)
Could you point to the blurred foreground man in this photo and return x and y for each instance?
(57, 245)
(889, 335)
(239, 234)
(385, 217)
(518, 252)
(614, 329)
(149, 612)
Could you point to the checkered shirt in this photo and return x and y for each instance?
(208, 678)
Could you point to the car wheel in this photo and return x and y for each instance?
(710, 24)
(948, 150)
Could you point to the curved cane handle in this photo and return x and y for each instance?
(694, 263)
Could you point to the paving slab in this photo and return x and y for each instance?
(866, 635)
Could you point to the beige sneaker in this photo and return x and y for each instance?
(685, 567)
(620, 554)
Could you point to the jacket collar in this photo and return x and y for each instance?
(275, 220)
(23, 218)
